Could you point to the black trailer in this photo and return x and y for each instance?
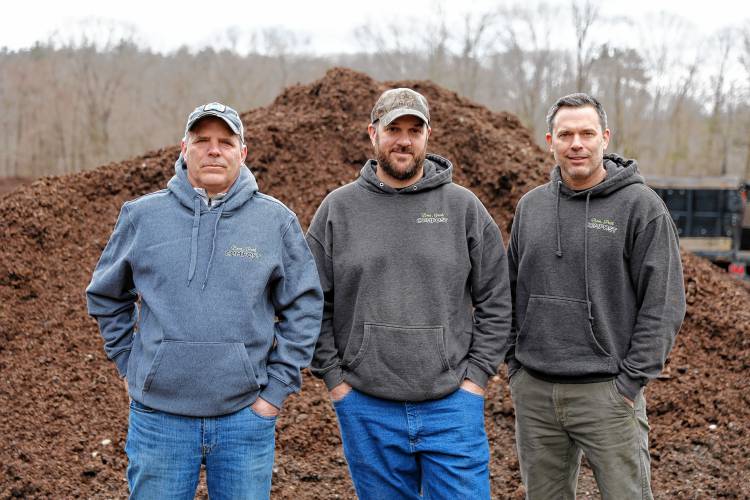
(712, 215)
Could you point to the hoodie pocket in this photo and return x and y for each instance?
(220, 372)
(557, 338)
(403, 362)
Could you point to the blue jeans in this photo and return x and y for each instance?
(165, 453)
(398, 450)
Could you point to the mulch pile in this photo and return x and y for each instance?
(63, 411)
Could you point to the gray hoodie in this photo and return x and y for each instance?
(597, 280)
(416, 286)
(229, 302)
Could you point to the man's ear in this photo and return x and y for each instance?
(548, 138)
(372, 130)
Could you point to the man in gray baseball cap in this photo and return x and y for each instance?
(416, 316)
(209, 304)
(229, 115)
(212, 171)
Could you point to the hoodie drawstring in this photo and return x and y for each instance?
(194, 241)
(586, 255)
(557, 220)
(213, 245)
(194, 238)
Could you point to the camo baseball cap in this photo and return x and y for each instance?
(230, 116)
(399, 102)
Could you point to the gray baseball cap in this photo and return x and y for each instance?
(230, 117)
(399, 102)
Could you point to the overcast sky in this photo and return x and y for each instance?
(166, 25)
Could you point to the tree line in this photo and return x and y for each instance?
(676, 101)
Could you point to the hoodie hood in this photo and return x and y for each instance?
(243, 188)
(620, 173)
(437, 171)
(241, 191)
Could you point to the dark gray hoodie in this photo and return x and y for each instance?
(416, 286)
(597, 280)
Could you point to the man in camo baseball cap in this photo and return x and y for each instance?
(413, 249)
(394, 103)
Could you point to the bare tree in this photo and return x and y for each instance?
(723, 44)
(476, 41)
(97, 95)
(388, 47)
(679, 154)
(281, 44)
(585, 14)
(745, 61)
(533, 67)
(671, 68)
(103, 51)
(619, 78)
(436, 40)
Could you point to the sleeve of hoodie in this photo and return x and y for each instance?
(510, 356)
(326, 362)
(298, 302)
(656, 271)
(490, 290)
(111, 295)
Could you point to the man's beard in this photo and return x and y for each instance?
(402, 175)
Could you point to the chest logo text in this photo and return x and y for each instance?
(432, 218)
(250, 253)
(607, 225)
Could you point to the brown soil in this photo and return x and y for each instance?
(60, 398)
(8, 184)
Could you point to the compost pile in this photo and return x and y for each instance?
(63, 410)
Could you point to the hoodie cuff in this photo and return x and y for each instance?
(477, 375)
(513, 367)
(121, 362)
(275, 392)
(333, 377)
(627, 386)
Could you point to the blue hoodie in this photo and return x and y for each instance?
(230, 300)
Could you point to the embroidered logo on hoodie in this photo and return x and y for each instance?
(250, 253)
(602, 225)
(432, 218)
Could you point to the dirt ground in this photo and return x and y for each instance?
(8, 184)
(63, 413)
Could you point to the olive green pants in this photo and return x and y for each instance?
(556, 423)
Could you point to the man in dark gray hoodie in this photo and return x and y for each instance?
(416, 314)
(598, 299)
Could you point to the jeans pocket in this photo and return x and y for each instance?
(618, 398)
(471, 394)
(265, 418)
(338, 402)
(141, 408)
(515, 378)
